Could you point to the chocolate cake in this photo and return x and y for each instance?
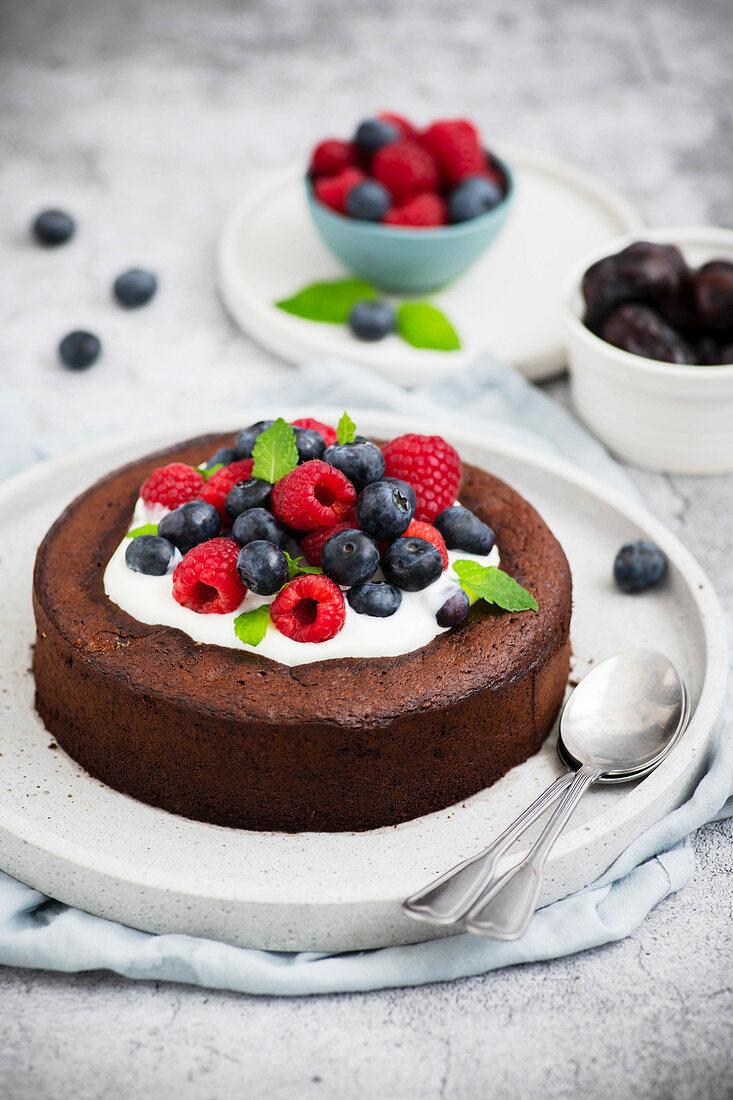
(234, 739)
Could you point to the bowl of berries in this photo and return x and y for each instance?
(408, 209)
(649, 334)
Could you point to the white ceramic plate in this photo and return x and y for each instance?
(74, 838)
(508, 303)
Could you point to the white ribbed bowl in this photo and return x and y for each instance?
(665, 417)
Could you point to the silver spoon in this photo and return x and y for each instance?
(454, 894)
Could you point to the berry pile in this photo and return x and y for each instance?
(372, 523)
(393, 173)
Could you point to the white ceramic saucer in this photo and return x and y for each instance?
(74, 838)
(509, 302)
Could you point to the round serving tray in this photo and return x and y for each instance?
(68, 835)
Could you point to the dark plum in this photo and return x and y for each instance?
(714, 295)
(725, 355)
(642, 331)
(642, 272)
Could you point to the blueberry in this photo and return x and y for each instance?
(257, 523)
(223, 457)
(350, 557)
(253, 493)
(189, 524)
(639, 565)
(248, 437)
(406, 488)
(53, 227)
(310, 444)
(384, 510)
(373, 133)
(473, 196)
(78, 350)
(454, 610)
(149, 554)
(362, 463)
(368, 201)
(412, 564)
(374, 598)
(462, 530)
(372, 320)
(262, 567)
(135, 287)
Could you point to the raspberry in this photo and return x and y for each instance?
(426, 531)
(223, 480)
(173, 485)
(430, 465)
(313, 495)
(332, 156)
(332, 190)
(405, 127)
(207, 581)
(405, 169)
(456, 145)
(309, 609)
(313, 543)
(422, 210)
(328, 433)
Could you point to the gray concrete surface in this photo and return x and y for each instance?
(148, 120)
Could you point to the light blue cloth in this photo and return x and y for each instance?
(37, 932)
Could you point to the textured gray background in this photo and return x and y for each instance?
(148, 120)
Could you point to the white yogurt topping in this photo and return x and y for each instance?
(150, 600)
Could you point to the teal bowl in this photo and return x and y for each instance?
(408, 261)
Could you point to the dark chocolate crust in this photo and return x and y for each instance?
(235, 739)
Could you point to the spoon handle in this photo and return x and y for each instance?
(506, 908)
(448, 898)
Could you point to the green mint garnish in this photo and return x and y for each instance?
(296, 567)
(146, 529)
(251, 626)
(275, 453)
(207, 471)
(424, 326)
(493, 585)
(329, 302)
(345, 429)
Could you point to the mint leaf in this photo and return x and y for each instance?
(327, 302)
(493, 585)
(275, 453)
(146, 529)
(345, 429)
(424, 326)
(207, 471)
(251, 626)
(296, 567)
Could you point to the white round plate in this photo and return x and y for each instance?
(508, 303)
(70, 836)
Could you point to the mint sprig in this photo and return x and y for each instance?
(275, 453)
(345, 429)
(329, 302)
(425, 326)
(297, 568)
(251, 626)
(207, 471)
(145, 529)
(493, 585)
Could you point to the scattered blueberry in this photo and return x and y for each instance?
(53, 227)
(374, 598)
(262, 567)
(473, 196)
(135, 287)
(362, 463)
(78, 350)
(639, 565)
(369, 201)
(462, 530)
(454, 610)
(412, 564)
(149, 554)
(406, 488)
(223, 457)
(248, 437)
(253, 493)
(373, 133)
(257, 523)
(189, 524)
(372, 320)
(310, 444)
(350, 557)
(384, 510)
